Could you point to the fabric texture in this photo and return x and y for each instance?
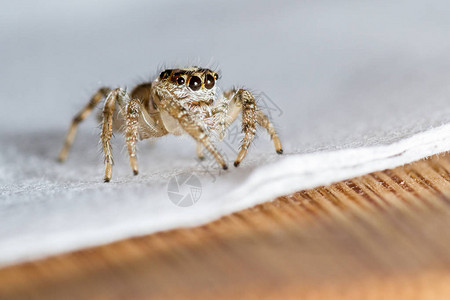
(352, 87)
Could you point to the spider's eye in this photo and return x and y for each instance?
(195, 83)
(216, 76)
(209, 81)
(164, 74)
(180, 80)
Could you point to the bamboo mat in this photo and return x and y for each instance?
(383, 235)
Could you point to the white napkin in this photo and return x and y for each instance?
(352, 87)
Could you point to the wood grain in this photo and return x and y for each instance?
(383, 235)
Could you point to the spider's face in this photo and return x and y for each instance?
(192, 85)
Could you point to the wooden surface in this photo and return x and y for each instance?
(384, 235)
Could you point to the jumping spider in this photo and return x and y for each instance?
(178, 101)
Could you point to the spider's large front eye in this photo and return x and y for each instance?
(195, 83)
(209, 81)
(180, 80)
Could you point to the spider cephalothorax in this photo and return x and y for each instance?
(178, 101)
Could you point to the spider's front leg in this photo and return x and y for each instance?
(194, 129)
(244, 101)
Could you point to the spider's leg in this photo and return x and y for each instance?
(249, 120)
(193, 128)
(244, 101)
(139, 124)
(199, 149)
(131, 133)
(70, 136)
(108, 112)
(263, 120)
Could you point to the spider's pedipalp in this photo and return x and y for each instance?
(194, 128)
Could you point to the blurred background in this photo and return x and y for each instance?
(343, 72)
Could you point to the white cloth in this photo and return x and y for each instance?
(352, 86)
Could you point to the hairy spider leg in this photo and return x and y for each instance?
(243, 101)
(70, 136)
